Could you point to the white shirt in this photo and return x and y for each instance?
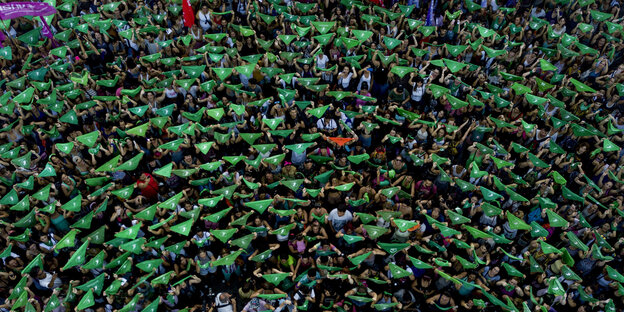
(417, 92)
(47, 279)
(223, 306)
(344, 81)
(363, 79)
(346, 119)
(535, 13)
(321, 61)
(132, 44)
(320, 124)
(204, 20)
(337, 221)
(484, 4)
(297, 296)
(171, 93)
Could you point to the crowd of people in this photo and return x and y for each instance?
(313, 156)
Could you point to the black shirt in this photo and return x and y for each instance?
(380, 75)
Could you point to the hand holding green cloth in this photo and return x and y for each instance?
(401, 71)
(323, 27)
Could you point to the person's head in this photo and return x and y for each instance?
(308, 164)
(246, 286)
(472, 276)
(494, 271)
(435, 212)
(425, 280)
(78, 160)
(341, 210)
(12, 262)
(608, 185)
(55, 159)
(66, 179)
(40, 274)
(144, 177)
(293, 114)
(434, 74)
(399, 160)
(12, 275)
(316, 225)
(224, 297)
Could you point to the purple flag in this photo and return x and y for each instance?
(430, 15)
(18, 9)
(45, 30)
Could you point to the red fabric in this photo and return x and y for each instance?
(189, 15)
(340, 141)
(151, 190)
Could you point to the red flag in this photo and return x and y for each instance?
(340, 141)
(187, 11)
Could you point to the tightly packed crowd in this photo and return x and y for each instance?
(331, 155)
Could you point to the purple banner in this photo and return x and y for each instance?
(430, 14)
(45, 30)
(17, 9)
